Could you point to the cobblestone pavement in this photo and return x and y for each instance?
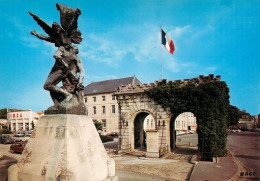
(182, 153)
(169, 169)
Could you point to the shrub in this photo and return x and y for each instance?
(209, 102)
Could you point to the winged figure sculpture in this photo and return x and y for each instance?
(68, 68)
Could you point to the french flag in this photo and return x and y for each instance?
(167, 42)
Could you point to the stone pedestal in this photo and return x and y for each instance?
(64, 147)
(152, 144)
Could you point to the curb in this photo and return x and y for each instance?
(239, 167)
(193, 161)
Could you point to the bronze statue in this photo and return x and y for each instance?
(68, 67)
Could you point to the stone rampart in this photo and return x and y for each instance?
(129, 88)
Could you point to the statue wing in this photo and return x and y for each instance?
(44, 25)
(69, 22)
(68, 17)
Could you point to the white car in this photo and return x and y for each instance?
(191, 131)
(236, 130)
(180, 132)
(20, 137)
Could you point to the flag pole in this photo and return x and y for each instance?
(161, 53)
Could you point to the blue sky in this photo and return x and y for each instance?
(122, 38)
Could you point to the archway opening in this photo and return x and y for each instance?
(139, 131)
(183, 131)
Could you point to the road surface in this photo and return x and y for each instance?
(246, 149)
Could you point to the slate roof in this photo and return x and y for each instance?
(109, 85)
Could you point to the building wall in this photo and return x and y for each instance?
(186, 121)
(3, 124)
(246, 121)
(103, 108)
(149, 122)
(22, 120)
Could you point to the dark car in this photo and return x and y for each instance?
(17, 147)
(6, 139)
(114, 134)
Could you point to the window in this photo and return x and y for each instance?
(104, 109)
(94, 109)
(86, 100)
(104, 98)
(113, 109)
(94, 99)
(113, 97)
(104, 123)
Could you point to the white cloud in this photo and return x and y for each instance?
(101, 49)
(144, 46)
(178, 32)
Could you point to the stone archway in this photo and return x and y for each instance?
(207, 97)
(134, 106)
(186, 123)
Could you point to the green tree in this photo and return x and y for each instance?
(233, 116)
(98, 125)
(3, 113)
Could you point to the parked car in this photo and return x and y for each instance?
(191, 131)
(244, 129)
(20, 132)
(6, 139)
(28, 133)
(17, 147)
(20, 137)
(114, 134)
(180, 132)
(236, 130)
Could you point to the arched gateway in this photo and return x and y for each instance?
(135, 106)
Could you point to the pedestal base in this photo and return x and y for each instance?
(64, 147)
(152, 144)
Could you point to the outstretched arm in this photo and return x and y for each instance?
(42, 37)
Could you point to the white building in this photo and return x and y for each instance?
(3, 124)
(22, 120)
(186, 121)
(101, 102)
(149, 123)
(246, 121)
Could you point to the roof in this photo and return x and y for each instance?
(109, 85)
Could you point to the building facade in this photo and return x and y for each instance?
(3, 124)
(186, 121)
(101, 102)
(22, 120)
(246, 121)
